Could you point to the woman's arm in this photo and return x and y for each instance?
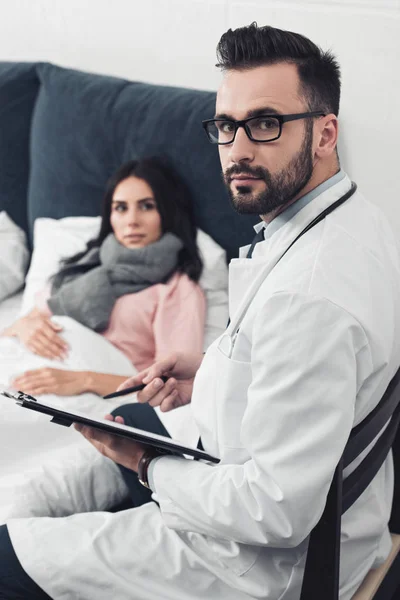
(102, 383)
(66, 383)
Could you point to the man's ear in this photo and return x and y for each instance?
(327, 135)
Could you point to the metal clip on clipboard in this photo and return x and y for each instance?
(21, 398)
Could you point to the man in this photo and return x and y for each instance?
(312, 344)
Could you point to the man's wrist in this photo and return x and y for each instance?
(143, 466)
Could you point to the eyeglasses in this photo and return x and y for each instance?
(264, 128)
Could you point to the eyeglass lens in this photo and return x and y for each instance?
(260, 128)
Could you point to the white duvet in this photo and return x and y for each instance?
(50, 470)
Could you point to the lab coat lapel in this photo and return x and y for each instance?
(245, 275)
(242, 273)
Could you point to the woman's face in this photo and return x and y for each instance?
(134, 217)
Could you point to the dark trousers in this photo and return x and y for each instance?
(15, 583)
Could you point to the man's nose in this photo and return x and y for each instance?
(242, 149)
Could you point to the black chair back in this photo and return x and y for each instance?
(321, 575)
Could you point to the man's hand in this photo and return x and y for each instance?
(51, 381)
(121, 450)
(177, 391)
(40, 335)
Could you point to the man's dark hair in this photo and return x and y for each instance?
(253, 46)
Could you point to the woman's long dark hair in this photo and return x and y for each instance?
(174, 203)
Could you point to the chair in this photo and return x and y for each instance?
(321, 575)
(382, 583)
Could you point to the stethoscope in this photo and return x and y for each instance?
(227, 340)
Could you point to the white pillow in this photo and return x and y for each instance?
(214, 282)
(56, 239)
(14, 256)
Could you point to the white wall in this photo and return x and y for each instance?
(173, 42)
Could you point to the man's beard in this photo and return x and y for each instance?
(280, 189)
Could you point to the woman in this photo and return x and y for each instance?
(136, 283)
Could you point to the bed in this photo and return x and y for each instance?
(9, 309)
(63, 133)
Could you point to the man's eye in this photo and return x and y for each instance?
(266, 124)
(225, 126)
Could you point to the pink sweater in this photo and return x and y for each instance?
(149, 324)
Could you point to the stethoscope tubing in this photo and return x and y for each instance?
(227, 340)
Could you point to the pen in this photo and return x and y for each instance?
(130, 390)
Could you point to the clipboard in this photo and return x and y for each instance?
(163, 444)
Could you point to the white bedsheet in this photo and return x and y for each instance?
(9, 310)
(50, 470)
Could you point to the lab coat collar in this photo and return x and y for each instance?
(244, 273)
(293, 209)
(312, 203)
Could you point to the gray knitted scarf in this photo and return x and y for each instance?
(111, 271)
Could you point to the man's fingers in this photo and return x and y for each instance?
(98, 438)
(156, 371)
(132, 381)
(153, 393)
(117, 419)
(157, 391)
(87, 433)
(170, 402)
(93, 434)
(160, 368)
(85, 430)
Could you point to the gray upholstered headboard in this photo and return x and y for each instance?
(19, 86)
(82, 126)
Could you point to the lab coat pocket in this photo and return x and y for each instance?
(238, 558)
(231, 391)
(293, 586)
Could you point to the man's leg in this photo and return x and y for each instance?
(129, 555)
(15, 584)
(141, 416)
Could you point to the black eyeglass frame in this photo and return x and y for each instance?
(243, 123)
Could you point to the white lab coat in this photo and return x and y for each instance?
(318, 342)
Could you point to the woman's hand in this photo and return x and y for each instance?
(51, 381)
(121, 450)
(177, 391)
(39, 334)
